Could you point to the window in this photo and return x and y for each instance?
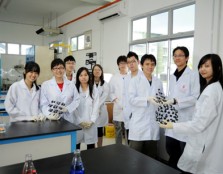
(82, 41)
(2, 48)
(140, 49)
(139, 29)
(24, 49)
(159, 25)
(13, 48)
(80, 45)
(74, 44)
(183, 19)
(167, 29)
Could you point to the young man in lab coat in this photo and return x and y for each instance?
(133, 65)
(117, 96)
(183, 93)
(143, 128)
(70, 68)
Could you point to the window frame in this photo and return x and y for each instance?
(170, 34)
(169, 37)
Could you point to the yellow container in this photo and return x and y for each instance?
(110, 131)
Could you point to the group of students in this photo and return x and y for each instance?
(71, 96)
(193, 143)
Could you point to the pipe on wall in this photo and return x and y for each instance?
(89, 13)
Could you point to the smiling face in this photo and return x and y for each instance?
(180, 59)
(84, 78)
(31, 76)
(206, 70)
(58, 71)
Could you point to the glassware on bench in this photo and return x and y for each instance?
(77, 164)
(29, 167)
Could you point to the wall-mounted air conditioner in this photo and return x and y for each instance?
(116, 10)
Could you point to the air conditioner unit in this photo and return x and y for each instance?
(49, 31)
(116, 10)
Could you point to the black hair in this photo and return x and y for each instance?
(217, 70)
(121, 59)
(102, 74)
(69, 58)
(78, 83)
(57, 62)
(130, 54)
(182, 48)
(32, 67)
(148, 57)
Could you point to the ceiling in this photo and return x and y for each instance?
(39, 12)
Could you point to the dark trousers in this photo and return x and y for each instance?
(174, 149)
(148, 147)
(89, 146)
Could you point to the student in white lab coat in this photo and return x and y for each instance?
(117, 96)
(183, 93)
(143, 128)
(103, 91)
(203, 153)
(22, 99)
(61, 90)
(133, 66)
(87, 111)
(70, 63)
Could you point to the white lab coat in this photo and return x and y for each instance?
(143, 125)
(117, 91)
(186, 91)
(203, 153)
(127, 109)
(21, 103)
(73, 77)
(87, 111)
(103, 92)
(69, 95)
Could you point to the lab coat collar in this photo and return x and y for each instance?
(99, 84)
(65, 81)
(87, 92)
(24, 86)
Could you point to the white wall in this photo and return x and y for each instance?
(111, 38)
(79, 27)
(208, 26)
(19, 33)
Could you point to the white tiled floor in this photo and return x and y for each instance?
(106, 141)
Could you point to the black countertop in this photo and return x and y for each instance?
(28, 129)
(112, 159)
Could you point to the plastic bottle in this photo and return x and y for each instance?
(77, 166)
(29, 167)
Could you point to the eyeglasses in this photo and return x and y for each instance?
(131, 62)
(180, 56)
(60, 68)
(122, 63)
(70, 63)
